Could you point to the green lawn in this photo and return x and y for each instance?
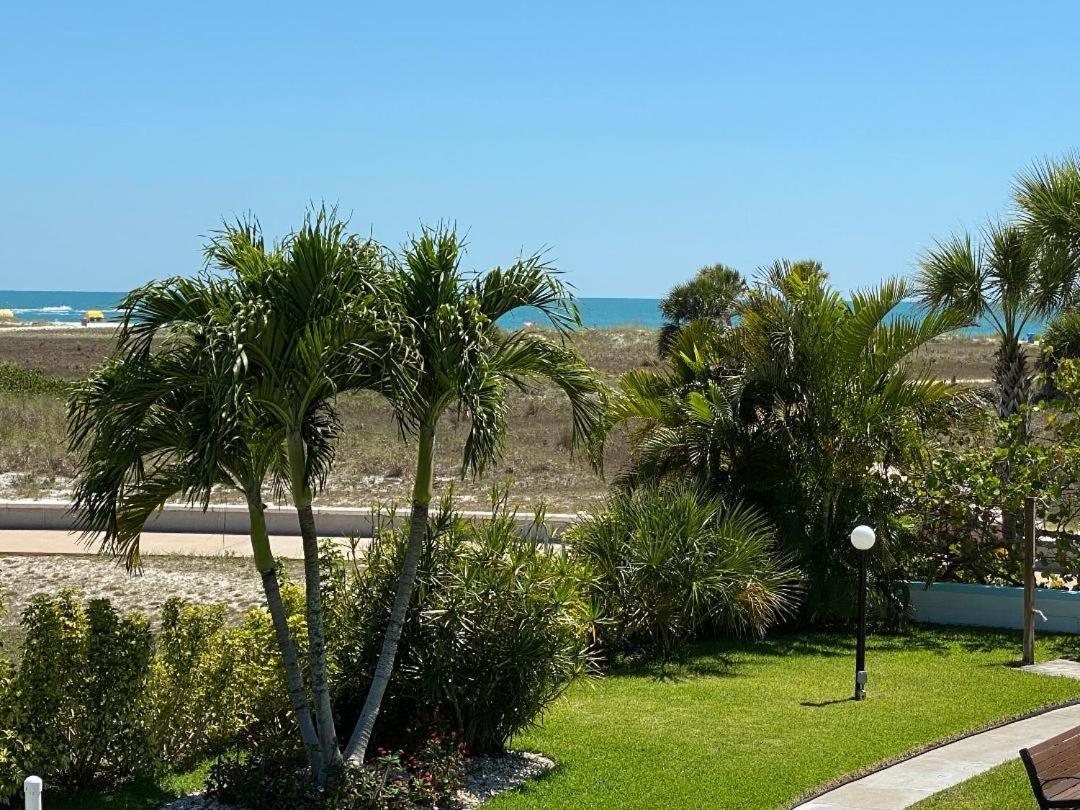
(758, 724)
(1003, 788)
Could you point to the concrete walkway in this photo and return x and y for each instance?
(915, 779)
(152, 543)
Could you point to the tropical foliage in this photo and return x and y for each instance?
(669, 564)
(1010, 280)
(227, 380)
(711, 294)
(499, 625)
(466, 365)
(1060, 341)
(804, 408)
(97, 698)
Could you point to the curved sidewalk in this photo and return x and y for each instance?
(905, 783)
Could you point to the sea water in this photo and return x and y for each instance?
(596, 313)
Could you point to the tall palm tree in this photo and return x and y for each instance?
(155, 424)
(292, 325)
(799, 408)
(1009, 279)
(712, 293)
(467, 364)
(317, 332)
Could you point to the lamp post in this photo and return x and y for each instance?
(862, 537)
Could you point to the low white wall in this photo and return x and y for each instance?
(331, 521)
(994, 606)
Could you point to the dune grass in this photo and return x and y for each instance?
(760, 724)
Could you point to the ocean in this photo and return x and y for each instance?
(596, 313)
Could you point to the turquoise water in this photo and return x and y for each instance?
(596, 313)
(57, 305)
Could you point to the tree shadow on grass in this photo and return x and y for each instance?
(143, 794)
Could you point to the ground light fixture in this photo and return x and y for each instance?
(863, 538)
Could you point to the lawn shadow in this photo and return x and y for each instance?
(810, 704)
(142, 794)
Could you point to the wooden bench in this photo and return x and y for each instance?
(1053, 767)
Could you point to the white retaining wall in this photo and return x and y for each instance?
(994, 606)
(331, 521)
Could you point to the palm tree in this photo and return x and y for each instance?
(1048, 199)
(151, 425)
(316, 333)
(467, 364)
(801, 408)
(713, 294)
(291, 326)
(1009, 279)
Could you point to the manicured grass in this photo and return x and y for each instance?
(1005, 787)
(759, 724)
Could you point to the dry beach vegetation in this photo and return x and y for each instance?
(373, 465)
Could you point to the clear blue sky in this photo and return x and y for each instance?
(638, 141)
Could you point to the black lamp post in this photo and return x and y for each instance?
(862, 537)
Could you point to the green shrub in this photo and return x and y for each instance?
(10, 777)
(18, 380)
(97, 700)
(498, 628)
(669, 564)
(270, 777)
(210, 681)
(1060, 342)
(76, 698)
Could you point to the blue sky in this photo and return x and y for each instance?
(637, 141)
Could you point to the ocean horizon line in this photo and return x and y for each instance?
(597, 312)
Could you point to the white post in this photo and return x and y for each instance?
(32, 791)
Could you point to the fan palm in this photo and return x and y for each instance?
(798, 408)
(1009, 279)
(1048, 198)
(713, 294)
(467, 364)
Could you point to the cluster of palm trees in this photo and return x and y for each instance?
(801, 407)
(781, 392)
(228, 381)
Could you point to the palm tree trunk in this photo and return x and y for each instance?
(320, 686)
(317, 639)
(264, 562)
(356, 750)
(1014, 387)
(1013, 381)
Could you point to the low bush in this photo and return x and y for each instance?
(18, 380)
(1060, 342)
(273, 778)
(97, 699)
(498, 628)
(669, 564)
(76, 697)
(210, 682)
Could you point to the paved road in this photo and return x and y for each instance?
(18, 541)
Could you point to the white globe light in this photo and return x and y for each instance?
(863, 537)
